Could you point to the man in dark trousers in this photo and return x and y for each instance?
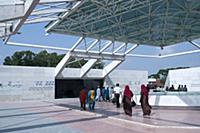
(117, 91)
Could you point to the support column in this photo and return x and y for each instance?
(110, 67)
(61, 65)
(86, 68)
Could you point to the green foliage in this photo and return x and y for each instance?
(44, 59)
(23, 58)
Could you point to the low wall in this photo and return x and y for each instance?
(183, 99)
(19, 83)
(26, 83)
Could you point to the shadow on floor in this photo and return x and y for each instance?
(29, 107)
(48, 124)
(35, 113)
(98, 111)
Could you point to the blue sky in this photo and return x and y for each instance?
(34, 34)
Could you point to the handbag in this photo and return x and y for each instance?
(133, 104)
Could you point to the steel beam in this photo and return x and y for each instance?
(29, 6)
(120, 47)
(78, 4)
(37, 46)
(40, 20)
(131, 49)
(77, 43)
(92, 45)
(105, 47)
(87, 54)
(56, 1)
(47, 11)
(96, 55)
(195, 44)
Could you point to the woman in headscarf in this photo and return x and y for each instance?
(82, 97)
(146, 108)
(127, 101)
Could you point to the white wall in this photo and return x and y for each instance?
(183, 99)
(26, 83)
(37, 83)
(189, 77)
(132, 78)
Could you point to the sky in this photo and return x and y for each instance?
(35, 34)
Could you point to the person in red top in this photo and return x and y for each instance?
(144, 100)
(82, 97)
(127, 101)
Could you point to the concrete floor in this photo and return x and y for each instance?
(64, 116)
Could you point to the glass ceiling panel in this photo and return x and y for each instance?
(148, 22)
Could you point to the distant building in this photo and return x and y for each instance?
(153, 83)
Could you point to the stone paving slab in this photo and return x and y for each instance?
(64, 116)
(160, 117)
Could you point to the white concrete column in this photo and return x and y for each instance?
(61, 65)
(110, 67)
(86, 68)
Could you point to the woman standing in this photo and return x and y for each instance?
(146, 108)
(82, 97)
(127, 101)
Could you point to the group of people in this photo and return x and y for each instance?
(104, 94)
(128, 101)
(87, 97)
(91, 96)
(180, 88)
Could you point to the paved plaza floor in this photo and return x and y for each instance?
(64, 116)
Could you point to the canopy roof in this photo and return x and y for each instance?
(148, 22)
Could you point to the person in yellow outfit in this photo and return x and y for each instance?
(91, 99)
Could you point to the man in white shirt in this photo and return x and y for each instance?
(98, 94)
(117, 91)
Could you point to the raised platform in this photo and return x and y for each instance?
(64, 115)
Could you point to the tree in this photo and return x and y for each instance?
(23, 58)
(41, 59)
(27, 58)
(45, 59)
(7, 61)
(17, 58)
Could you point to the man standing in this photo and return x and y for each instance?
(117, 91)
(98, 94)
